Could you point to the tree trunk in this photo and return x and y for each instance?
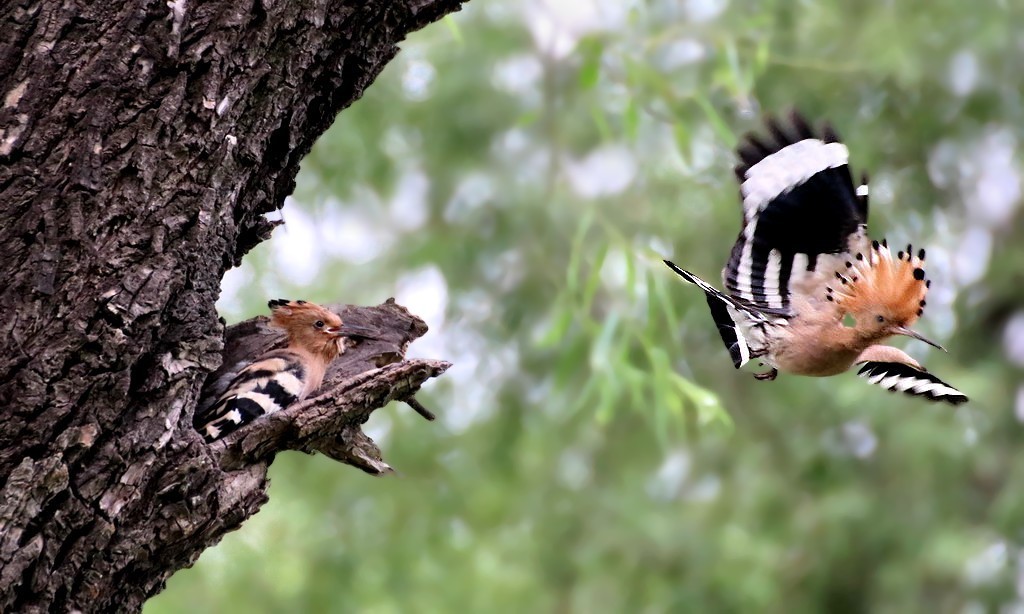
(141, 143)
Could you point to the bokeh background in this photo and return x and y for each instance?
(515, 177)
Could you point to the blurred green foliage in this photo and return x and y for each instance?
(515, 176)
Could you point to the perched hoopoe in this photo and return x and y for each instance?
(808, 292)
(280, 377)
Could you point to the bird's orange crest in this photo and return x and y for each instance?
(876, 282)
(288, 314)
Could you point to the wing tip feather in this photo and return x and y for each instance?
(918, 383)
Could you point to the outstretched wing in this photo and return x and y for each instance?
(742, 328)
(799, 204)
(901, 377)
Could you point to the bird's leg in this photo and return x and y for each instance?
(767, 376)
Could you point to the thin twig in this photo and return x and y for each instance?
(423, 411)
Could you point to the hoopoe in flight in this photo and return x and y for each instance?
(280, 377)
(808, 292)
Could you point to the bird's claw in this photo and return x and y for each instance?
(767, 376)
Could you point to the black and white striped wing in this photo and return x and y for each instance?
(268, 385)
(742, 329)
(900, 377)
(215, 387)
(799, 203)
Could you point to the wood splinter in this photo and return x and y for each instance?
(420, 409)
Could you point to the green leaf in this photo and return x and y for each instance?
(719, 125)
(591, 51)
(631, 119)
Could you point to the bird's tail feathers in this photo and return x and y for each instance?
(724, 311)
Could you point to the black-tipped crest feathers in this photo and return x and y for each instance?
(880, 284)
(283, 302)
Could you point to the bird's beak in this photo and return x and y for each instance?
(346, 330)
(903, 330)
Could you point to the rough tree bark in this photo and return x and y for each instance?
(141, 142)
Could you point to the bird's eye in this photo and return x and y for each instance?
(880, 319)
(319, 324)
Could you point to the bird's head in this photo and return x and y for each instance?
(883, 295)
(313, 327)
